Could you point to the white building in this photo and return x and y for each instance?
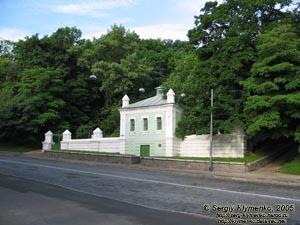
(147, 127)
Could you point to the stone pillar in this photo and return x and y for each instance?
(125, 101)
(170, 96)
(122, 131)
(170, 129)
(47, 143)
(97, 133)
(67, 135)
(122, 123)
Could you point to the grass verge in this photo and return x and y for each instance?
(250, 157)
(292, 167)
(14, 148)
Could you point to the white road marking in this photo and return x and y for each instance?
(153, 181)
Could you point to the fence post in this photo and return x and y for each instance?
(47, 143)
(97, 133)
(67, 135)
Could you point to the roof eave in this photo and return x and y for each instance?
(149, 106)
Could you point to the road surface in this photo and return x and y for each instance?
(35, 191)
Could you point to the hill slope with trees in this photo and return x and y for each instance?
(247, 51)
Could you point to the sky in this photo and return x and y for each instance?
(165, 19)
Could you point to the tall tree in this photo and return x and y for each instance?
(225, 39)
(32, 105)
(49, 51)
(274, 98)
(118, 79)
(117, 44)
(8, 67)
(159, 55)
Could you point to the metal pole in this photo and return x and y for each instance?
(211, 129)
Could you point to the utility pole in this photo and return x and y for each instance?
(211, 129)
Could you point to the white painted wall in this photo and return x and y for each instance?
(224, 145)
(99, 145)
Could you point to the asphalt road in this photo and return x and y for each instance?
(34, 191)
(34, 203)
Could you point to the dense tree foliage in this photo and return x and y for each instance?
(247, 51)
(45, 82)
(273, 101)
(230, 42)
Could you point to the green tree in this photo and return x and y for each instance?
(118, 79)
(117, 44)
(274, 98)
(52, 51)
(34, 105)
(8, 68)
(159, 54)
(120, 69)
(225, 38)
(185, 78)
(49, 55)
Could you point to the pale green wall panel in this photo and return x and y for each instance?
(157, 147)
(152, 137)
(152, 131)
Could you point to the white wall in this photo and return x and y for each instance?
(224, 145)
(100, 145)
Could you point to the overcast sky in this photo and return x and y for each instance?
(165, 19)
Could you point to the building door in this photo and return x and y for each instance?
(145, 150)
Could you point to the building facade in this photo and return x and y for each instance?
(147, 127)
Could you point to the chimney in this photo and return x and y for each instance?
(159, 91)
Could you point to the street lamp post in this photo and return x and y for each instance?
(211, 129)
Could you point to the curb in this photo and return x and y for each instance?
(251, 177)
(264, 179)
